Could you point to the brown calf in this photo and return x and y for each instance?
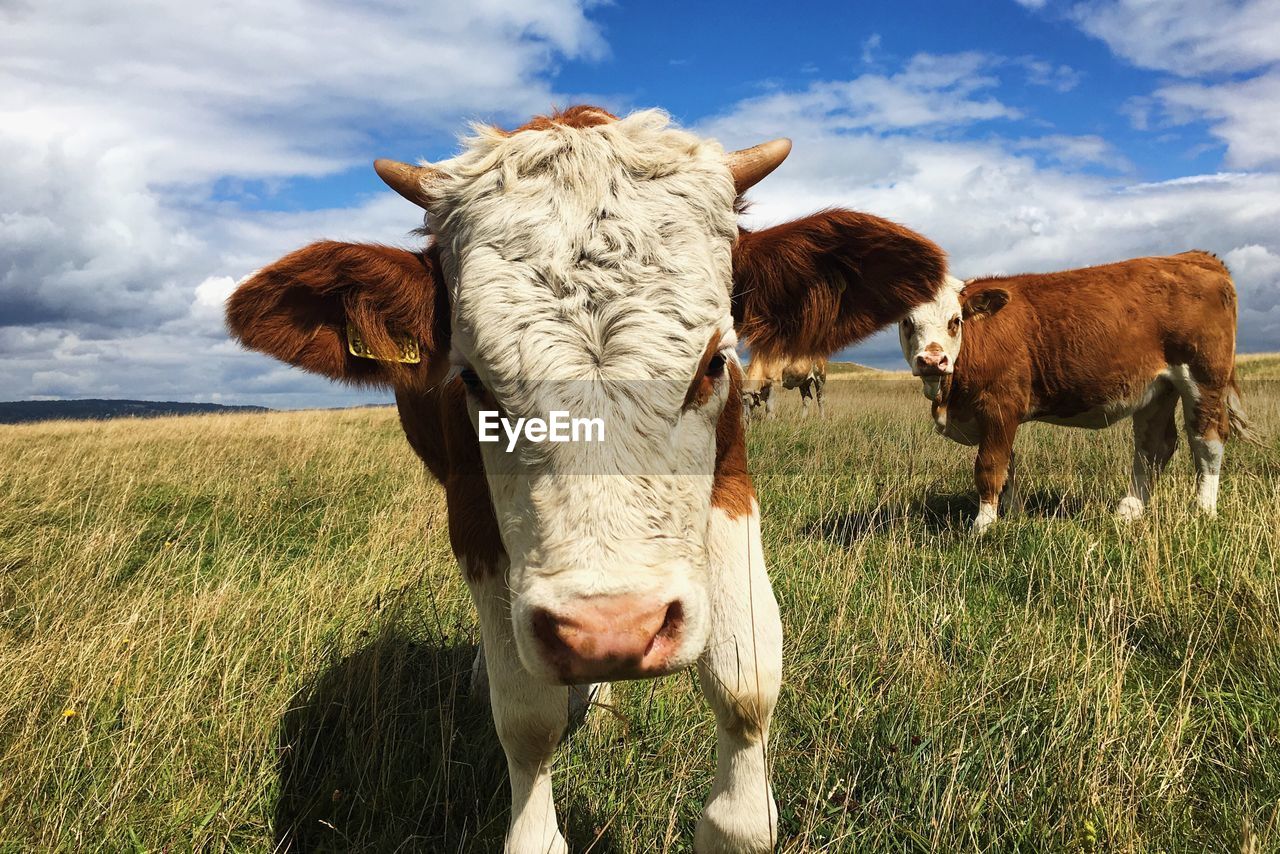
(1085, 348)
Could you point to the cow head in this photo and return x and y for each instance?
(930, 335)
(570, 262)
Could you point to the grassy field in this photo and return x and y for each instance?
(221, 632)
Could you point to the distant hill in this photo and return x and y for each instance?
(24, 411)
(853, 370)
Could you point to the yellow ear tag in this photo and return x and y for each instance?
(406, 344)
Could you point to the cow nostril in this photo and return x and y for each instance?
(547, 631)
(672, 622)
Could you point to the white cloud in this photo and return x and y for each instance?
(1186, 37)
(931, 91)
(1245, 115)
(997, 210)
(118, 120)
(1067, 150)
(1194, 38)
(1059, 77)
(870, 45)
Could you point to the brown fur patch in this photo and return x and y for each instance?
(439, 430)
(732, 490)
(701, 386)
(806, 288)
(579, 116)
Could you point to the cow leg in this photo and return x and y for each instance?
(740, 674)
(995, 449)
(768, 407)
(479, 678)
(530, 717)
(1010, 497)
(818, 386)
(805, 395)
(1155, 436)
(1204, 415)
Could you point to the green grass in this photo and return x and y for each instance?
(217, 630)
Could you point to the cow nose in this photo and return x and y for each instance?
(935, 359)
(610, 637)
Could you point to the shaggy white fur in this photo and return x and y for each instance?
(585, 262)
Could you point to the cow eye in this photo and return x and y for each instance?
(715, 367)
(954, 326)
(472, 381)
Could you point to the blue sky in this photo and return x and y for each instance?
(153, 158)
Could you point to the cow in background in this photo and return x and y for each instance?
(596, 265)
(763, 376)
(1084, 348)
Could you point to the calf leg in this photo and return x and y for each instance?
(530, 717)
(805, 395)
(818, 385)
(740, 674)
(1010, 497)
(1204, 414)
(995, 449)
(1155, 437)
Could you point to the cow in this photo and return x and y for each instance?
(1084, 348)
(595, 264)
(762, 376)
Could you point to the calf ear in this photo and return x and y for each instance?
(806, 288)
(983, 303)
(304, 308)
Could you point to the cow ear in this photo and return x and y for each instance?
(983, 303)
(806, 288)
(360, 313)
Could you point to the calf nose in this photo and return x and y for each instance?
(934, 360)
(610, 637)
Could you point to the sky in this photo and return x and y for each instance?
(152, 154)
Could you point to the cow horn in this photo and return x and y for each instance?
(409, 181)
(750, 165)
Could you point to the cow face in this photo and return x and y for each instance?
(589, 272)
(930, 335)
(591, 266)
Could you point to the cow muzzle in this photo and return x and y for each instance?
(931, 362)
(606, 638)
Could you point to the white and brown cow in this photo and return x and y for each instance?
(568, 259)
(1084, 348)
(765, 376)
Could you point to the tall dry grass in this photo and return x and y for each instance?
(247, 632)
